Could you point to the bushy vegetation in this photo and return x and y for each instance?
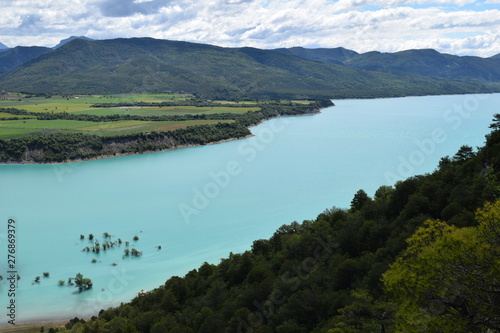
(387, 264)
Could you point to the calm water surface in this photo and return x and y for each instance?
(200, 203)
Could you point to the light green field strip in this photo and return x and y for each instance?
(80, 103)
(115, 126)
(35, 124)
(300, 102)
(148, 98)
(15, 128)
(8, 115)
(8, 133)
(236, 103)
(55, 107)
(128, 127)
(165, 111)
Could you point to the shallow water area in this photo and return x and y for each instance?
(198, 204)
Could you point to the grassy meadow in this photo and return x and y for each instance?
(83, 104)
(80, 103)
(166, 110)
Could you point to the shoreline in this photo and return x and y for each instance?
(102, 157)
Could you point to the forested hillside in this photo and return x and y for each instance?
(386, 264)
(150, 65)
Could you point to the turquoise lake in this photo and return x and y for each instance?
(201, 203)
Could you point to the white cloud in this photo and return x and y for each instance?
(385, 25)
(345, 5)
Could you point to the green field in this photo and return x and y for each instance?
(134, 126)
(81, 103)
(8, 133)
(38, 125)
(8, 115)
(15, 128)
(166, 110)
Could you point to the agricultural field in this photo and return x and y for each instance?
(135, 126)
(8, 133)
(15, 128)
(82, 104)
(4, 115)
(165, 110)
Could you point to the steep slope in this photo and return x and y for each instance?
(19, 55)
(150, 65)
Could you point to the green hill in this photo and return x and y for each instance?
(150, 65)
(339, 272)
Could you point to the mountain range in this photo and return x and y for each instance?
(12, 58)
(19, 55)
(121, 65)
(425, 62)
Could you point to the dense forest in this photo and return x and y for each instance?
(63, 147)
(420, 256)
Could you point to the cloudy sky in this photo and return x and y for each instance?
(464, 27)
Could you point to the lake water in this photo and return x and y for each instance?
(200, 203)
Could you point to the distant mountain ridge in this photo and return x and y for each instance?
(151, 65)
(3, 47)
(14, 57)
(426, 62)
(19, 55)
